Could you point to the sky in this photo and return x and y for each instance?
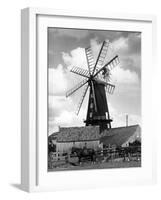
(66, 48)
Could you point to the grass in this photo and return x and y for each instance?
(105, 165)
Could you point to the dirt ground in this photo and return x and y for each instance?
(105, 165)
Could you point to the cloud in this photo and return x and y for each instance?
(58, 104)
(134, 41)
(119, 118)
(57, 81)
(127, 45)
(120, 44)
(119, 74)
(69, 118)
(62, 113)
(95, 47)
(123, 76)
(65, 119)
(62, 109)
(61, 79)
(75, 33)
(75, 58)
(131, 61)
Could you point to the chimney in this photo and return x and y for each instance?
(126, 120)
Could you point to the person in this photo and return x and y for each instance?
(85, 152)
(93, 156)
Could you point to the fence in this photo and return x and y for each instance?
(56, 159)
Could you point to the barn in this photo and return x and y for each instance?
(78, 137)
(90, 137)
(122, 136)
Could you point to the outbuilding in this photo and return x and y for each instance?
(121, 136)
(78, 137)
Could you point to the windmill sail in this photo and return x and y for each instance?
(82, 99)
(110, 88)
(111, 64)
(101, 57)
(90, 59)
(77, 87)
(80, 71)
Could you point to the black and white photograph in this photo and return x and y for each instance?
(94, 99)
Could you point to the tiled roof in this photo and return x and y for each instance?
(86, 133)
(118, 136)
(53, 136)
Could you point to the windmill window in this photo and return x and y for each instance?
(90, 114)
(91, 105)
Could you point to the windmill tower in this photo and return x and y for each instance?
(97, 80)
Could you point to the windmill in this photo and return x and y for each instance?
(97, 80)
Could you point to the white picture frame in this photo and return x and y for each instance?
(33, 103)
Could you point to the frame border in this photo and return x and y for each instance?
(29, 143)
